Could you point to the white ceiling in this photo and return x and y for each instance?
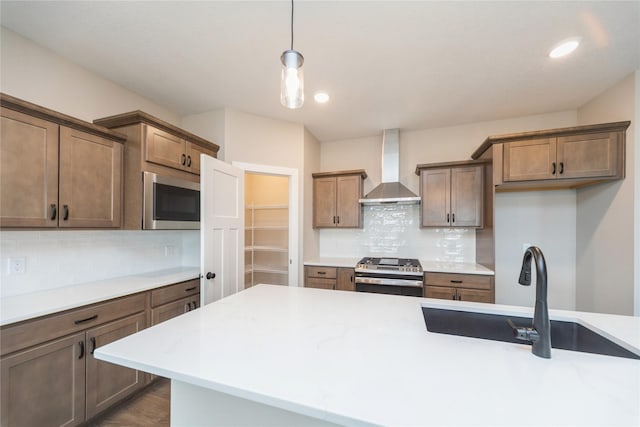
(386, 64)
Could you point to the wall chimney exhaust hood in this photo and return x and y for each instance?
(390, 191)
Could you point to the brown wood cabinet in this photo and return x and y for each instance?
(557, 158)
(154, 146)
(336, 199)
(49, 375)
(452, 196)
(460, 287)
(338, 278)
(57, 171)
(173, 300)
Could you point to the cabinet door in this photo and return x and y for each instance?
(108, 383)
(28, 171)
(45, 386)
(90, 180)
(165, 149)
(475, 295)
(348, 209)
(174, 309)
(314, 282)
(466, 197)
(193, 156)
(439, 292)
(346, 279)
(435, 189)
(324, 202)
(589, 156)
(529, 160)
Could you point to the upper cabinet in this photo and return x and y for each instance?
(57, 171)
(161, 143)
(558, 158)
(452, 194)
(336, 199)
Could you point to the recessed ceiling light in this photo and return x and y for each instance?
(321, 97)
(564, 48)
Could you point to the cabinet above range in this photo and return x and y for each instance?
(336, 199)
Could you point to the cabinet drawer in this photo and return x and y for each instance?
(174, 292)
(313, 282)
(31, 332)
(323, 272)
(174, 309)
(470, 281)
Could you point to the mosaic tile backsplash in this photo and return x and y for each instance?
(395, 231)
(56, 259)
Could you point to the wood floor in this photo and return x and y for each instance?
(147, 408)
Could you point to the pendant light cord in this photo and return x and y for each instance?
(291, 24)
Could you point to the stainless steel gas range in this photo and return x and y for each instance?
(396, 276)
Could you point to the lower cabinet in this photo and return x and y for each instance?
(49, 374)
(459, 287)
(173, 300)
(339, 278)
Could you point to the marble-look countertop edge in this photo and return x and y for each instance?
(29, 306)
(427, 266)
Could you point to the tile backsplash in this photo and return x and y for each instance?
(394, 230)
(56, 259)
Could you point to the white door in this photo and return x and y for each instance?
(221, 229)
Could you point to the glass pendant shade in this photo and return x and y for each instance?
(292, 80)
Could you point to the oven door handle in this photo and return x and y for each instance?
(389, 282)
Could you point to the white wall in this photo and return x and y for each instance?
(431, 146)
(311, 243)
(606, 215)
(210, 125)
(38, 75)
(546, 219)
(56, 259)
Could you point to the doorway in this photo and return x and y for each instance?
(271, 225)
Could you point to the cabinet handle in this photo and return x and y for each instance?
(455, 281)
(454, 297)
(194, 305)
(453, 218)
(334, 219)
(188, 160)
(65, 208)
(88, 319)
(338, 218)
(322, 272)
(183, 159)
(190, 289)
(93, 344)
(553, 165)
(81, 343)
(187, 307)
(351, 278)
(561, 168)
(447, 218)
(54, 211)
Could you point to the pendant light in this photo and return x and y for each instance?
(292, 78)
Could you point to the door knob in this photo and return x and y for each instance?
(211, 275)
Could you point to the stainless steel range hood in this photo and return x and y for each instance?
(390, 191)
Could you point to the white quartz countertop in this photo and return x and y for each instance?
(28, 306)
(432, 266)
(367, 359)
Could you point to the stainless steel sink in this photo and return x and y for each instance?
(564, 335)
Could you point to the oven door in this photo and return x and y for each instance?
(170, 203)
(391, 285)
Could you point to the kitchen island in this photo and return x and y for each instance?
(273, 355)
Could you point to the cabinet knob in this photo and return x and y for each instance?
(210, 275)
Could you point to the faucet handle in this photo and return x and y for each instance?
(523, 333)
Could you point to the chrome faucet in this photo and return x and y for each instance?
(540, 334)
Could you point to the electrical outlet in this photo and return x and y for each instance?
(17, 265)
(169, 250)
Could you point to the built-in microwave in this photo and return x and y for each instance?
(170, 203)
